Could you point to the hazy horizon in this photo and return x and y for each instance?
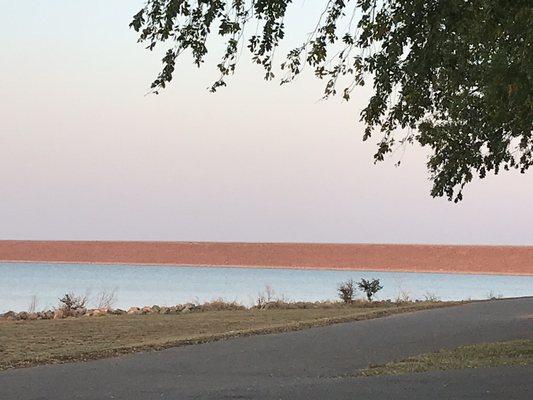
(254, 242)
(85, 154)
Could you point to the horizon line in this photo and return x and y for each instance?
(261, 242)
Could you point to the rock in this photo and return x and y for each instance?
(9, 316)
(33, 316)
(22, 315)
(164, 310)
(59, 314)
(146, 310)
(188, 308)
(98, 312)
(80, 312)
(155, 309)
(117, 311)
(47, 314)
(134, 310)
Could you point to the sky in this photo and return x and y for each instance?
(86, 154)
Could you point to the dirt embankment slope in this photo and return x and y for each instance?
(515, 260)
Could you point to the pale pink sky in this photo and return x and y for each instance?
(85, 155)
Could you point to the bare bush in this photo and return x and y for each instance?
(404, 296)
(72, 302)
(106, 299)
(431, 297)
(270, 292)
(221, 305)
(32, 307)
(266, 296)
(493, 296)
(279, 304)
(347, 291)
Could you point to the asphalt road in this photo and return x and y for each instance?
(309, 364)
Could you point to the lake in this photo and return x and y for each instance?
(168, 285)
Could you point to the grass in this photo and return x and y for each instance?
(27, 343)
(517, 352)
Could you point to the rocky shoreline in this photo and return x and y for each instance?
(95, 312)
(216, 305)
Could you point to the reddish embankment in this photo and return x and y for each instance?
(513, 260)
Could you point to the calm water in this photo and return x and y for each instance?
(148, 285)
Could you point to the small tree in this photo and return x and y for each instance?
(346, 291)
(369, 287)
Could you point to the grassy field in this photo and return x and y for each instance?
(25, 343)
(518, 352)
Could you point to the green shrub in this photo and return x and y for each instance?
(369, 287)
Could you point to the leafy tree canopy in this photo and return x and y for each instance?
(452, 75)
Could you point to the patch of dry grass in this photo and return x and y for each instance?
(25, 343)
(516, 352)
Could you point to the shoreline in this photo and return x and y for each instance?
(294, 267)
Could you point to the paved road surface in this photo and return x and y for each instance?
(307, 364)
